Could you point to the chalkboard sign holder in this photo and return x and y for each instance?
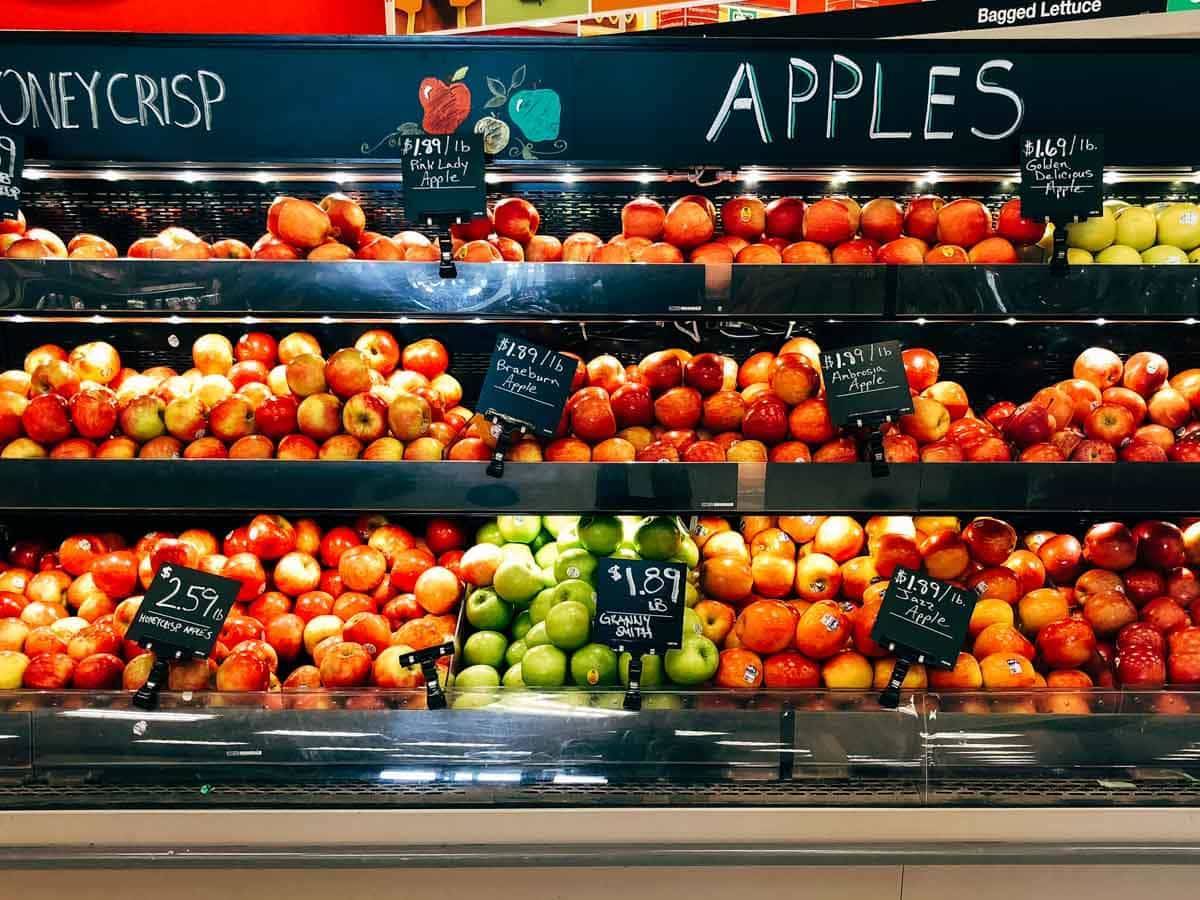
(1058, 259)
(446, 267)
(890, 698)
(146, 697)
(506, 431)
(435, 697)
(871, 430)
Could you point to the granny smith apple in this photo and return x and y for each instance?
(577, 563)
(576, 589)
(489, 533)
(1137, 227)
(1165, 255)
(691, 622)
(625, 552)
(485, 648)
(517, 552)
(693, 663)
(548, 577)
(1077, 257)
(691, 595)
(659, 538)
(544, 666)
(568, 540)
(1119, 255)
(477, 677)
(1179, 226)
(689, 553)
(485, 610)
(536, 636)
(546, 555)
(652, 670)
(513, 677)
(521, 529)
(517, 582)
(567, 624)
(600, 534)
(1093, 234)
(515, 652)
(594, 665)
(541, 604)
(521, 624)
(557, 524)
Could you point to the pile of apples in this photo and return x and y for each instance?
(1159, 234)
(257, 398)
(317, 608)
(792, 601)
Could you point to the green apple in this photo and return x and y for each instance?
(1179, 226)
(689, 553)
(568, 540)
(1093, 234)
(576, 589)
(477, 677)
(485, 610)
(577, 563)
(1165, 255)
(691, 595)
(544, 666)
(536, 636)
(594, 665)
(568, 624)
(1137, 227)
(521, 529)
(625, 552)
(600, 534)
(515, 552)
(652, 670)
(515, 652)
(489, 533)
(513, 677)
(541, 604)
(1119, 255)
(543, 538)
(485, 648)
(693, 663)
(474, 701)
(548, 578)
(691, 622)
(521, 624)
(517, 582)
(546, 555)
(558, 524)
(659, 538)
(1077, 257)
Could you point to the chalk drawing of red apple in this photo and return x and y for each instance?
(446, 105)
(537, 113)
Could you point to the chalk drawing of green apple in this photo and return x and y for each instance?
(536, 112)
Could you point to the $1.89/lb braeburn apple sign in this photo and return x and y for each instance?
(639, 605)
(527, 384)
(183, 611)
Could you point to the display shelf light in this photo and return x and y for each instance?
(1112, 177)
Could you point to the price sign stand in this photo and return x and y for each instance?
(180, 617)
(435, 697)
(524, 392)
(446, 267)
(921, 620)
(639, 611)
(870, 432)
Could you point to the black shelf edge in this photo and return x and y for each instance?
(540, 291)
(211, 486)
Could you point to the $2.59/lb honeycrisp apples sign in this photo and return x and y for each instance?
(183, 611)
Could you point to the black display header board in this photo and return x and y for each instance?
(183, 610)
(1062, 175)
(671, 102)
(925, 616)
(639, 604)
(12, 158)
(865, 382)
(526, 383)
(443, 176)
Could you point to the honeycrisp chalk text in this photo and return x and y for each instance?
(93, 100)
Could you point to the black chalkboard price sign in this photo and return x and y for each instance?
(12, 160)
(1062, 175)
(443, 176)
(525, 389)
(921, 620)
(865, 386)
(639, 610)
(180, 615)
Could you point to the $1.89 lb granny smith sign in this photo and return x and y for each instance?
(639, 604)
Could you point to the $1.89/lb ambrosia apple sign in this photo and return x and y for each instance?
(865, 382)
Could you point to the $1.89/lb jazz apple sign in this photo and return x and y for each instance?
(639, 604)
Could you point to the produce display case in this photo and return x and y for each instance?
(1004, 331)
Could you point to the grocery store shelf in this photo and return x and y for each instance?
(369, 291)
(51, 486)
